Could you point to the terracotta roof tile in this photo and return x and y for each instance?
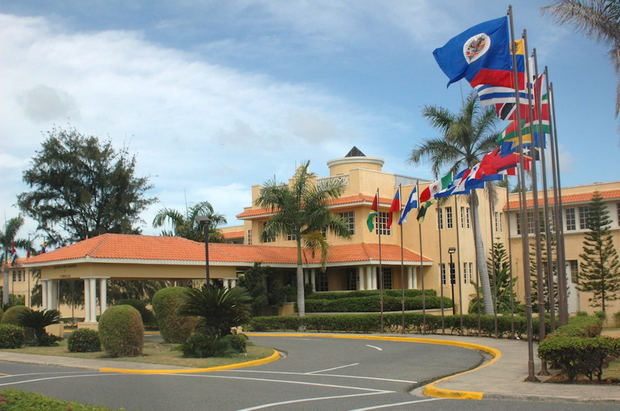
(233, 234)
(567, 199)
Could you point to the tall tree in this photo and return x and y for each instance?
(466, 136)
(81, 187)
(597, 18)
(543, 272)
(600, 269)
(7, 240)
(186, 226)
(301, 211)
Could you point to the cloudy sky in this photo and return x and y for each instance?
(215, 96)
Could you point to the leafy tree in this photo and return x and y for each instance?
(38, 320)
(301, 210)
(7, 240)
(71, 292)
(81, 187)
(134, 289)
(465, 138)
(600, 269)
(186, 225)
(597, 18)
(267, 291)
(543, 273)
(219, 309)
(499, 260)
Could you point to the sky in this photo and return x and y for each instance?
(213, 97)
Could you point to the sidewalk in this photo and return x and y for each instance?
(504, 378)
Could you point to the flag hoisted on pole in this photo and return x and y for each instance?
(412, 202)
(394, 207)
(402, 261)
(422, 208)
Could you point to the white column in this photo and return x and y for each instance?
(103, 294)
(369, 277)
(313, 278)
(233, 283)
(44, 294)
(53, 286)
(360, 277)
(86, 300)
(93, 300)
(413, 275)
(50, 295)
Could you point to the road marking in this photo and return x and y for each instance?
(326, 375)
(375, 347)
(53, 378)
(334, 368)
(2, 375)
(376, 407)
(333, 397)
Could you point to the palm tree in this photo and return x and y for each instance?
(597, 18)
(301, 211)
(466, 136)
(38, 320)
(7, 236)
(186, 225)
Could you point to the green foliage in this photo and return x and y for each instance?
(372, 304)
(84, 340)
(332, 295)
(600, 269)
(617, 318)
(186, 225)
(15, 400)
(134, 289)
(121, 331)
(37, 321)
(582, 326)
(542, 272)
(11, 316)
(202, 345)
(173, 327)
(11, 336)
(82, 187)
(219, 309)
(267, 291)
(148, 318)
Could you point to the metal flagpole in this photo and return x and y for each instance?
(547, 223)
(421, 268)
(458, 263)
(380, 263)
(562, 297)
(539, 267)
(522, 214)
(443, 321)
(512, 299)
(494, 266)
(402, 260)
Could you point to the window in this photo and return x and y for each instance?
(574, 271)
(324, 232)
(467, 216)
(351, 279)
(584, 216)
(462, 217)
(321, 281)
(14, 275)
(448, 217)
(19, 276)
(291, 237)
(349, 218)
(268, 239)
(569, 214)
(439, 219)
(387, 277)
(249, 237)
(382, 219)
(499, 222)
(443, 274)
(465, 273)
(471, 272)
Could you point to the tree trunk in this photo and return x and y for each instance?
(480, 255)
(301, 304)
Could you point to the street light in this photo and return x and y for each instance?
(205, 220)
(451, 251)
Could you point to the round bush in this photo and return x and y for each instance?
(12, 314)
(147, 315)
(173, 327)
(121, 331)
(11, 336)
(201, 345)
(84, 340)
(1, 313)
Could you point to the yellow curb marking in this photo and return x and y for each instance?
(430, 389)
(273, 357)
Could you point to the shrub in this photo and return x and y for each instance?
(173, 327)
(333, 295)
(601, 315)
(11, 315)
(148, 318)
(238, 342)
(201, 345)
(84, 340)
(371, 303)
(21, 400)
(121, 331)
(11, 336)
(1, 313)
(37, 321)
(617, 318)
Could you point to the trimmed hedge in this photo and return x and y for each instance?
(333, 295)
(21, 400)
(202, 345)
(148, 318)
(11, 316)
(11, 336)
(84, 340)
(372, 304)
(173, 327)
(121, 331)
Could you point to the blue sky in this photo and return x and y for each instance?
(214, 96)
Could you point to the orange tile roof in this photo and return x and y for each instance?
(160, 248)
(338, 202)
(567, 198)
(233, 234)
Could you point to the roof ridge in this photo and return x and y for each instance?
(99, 244)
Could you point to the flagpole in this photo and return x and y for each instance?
(539, 267)
(562, 297)
(494, 266)
(421, 267)
(458, 263)
(402, 260)
(443, 321)
(380, 263)
(522, 214)
(542, 138)
(512, 299)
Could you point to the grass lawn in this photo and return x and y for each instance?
(155, 353)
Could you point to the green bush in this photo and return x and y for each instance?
(173, 327)
(121, 331)
(580, 327)
(148, 318)
(11, 336)
(11, 316)
(617, 318)
(84, 340)
(333, 295)
(1, 313)
(372, 304)
(21, 400)
(601, 315)
(239, 342)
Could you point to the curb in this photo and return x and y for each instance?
(273, 357)
(430, 389)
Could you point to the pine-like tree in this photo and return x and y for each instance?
(535, 272)
(600, 268)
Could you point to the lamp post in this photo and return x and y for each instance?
(205, 220)
(451, 251)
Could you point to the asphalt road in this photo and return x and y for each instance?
(316, 374)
